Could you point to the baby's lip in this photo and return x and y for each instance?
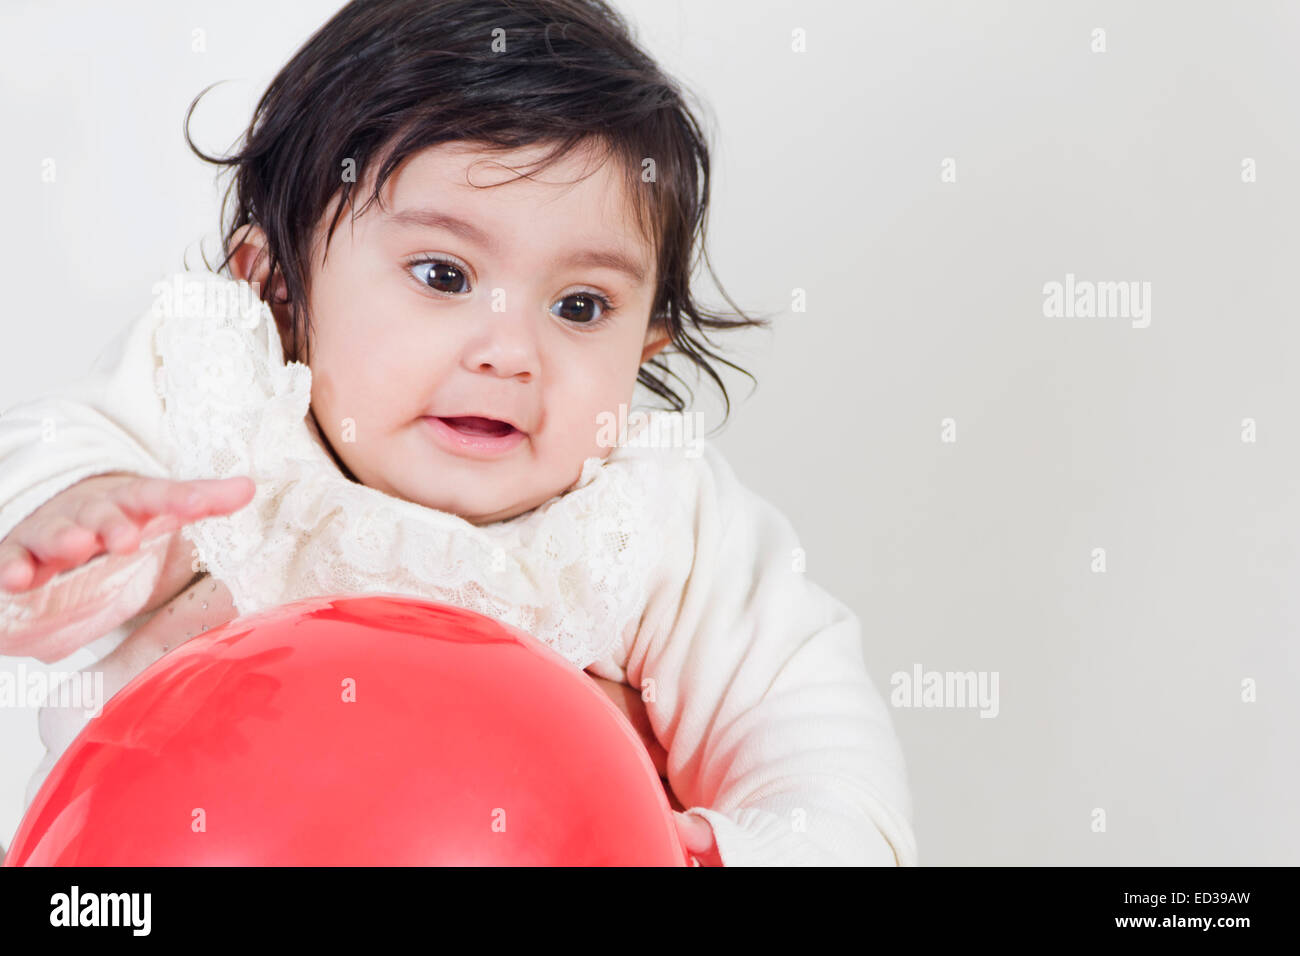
(483, 424)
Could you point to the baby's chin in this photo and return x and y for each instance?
(479, 506)
(481, 493)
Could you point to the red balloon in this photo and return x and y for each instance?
(465, 743)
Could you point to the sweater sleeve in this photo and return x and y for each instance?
(109, 421)
(755, 683)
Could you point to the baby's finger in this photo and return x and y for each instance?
(697, 836)
(60, 542)
(695, 833)
(189, 500)
(17, 567)
(225, 495)
(148, 497)
(118, 533)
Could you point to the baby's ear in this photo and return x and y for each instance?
(250, 261)
(244, 252)
(656, 339)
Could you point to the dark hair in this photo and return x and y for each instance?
(384, 79)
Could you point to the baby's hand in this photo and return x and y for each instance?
(109, 513)
(698, 837)
(695, 832)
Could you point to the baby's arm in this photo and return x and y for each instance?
(106, 423)
(757, 687)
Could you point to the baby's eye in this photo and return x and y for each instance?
(581, 307)
(442, 276)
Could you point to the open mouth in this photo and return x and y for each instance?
(479, 427)
(474, 436)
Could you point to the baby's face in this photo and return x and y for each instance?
(458, 307)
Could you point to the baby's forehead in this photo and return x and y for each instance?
(465, 184)
(528, 173)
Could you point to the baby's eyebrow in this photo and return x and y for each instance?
(614, 259)
(433, 219)
(607, 259)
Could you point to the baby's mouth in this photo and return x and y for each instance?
(472, 425)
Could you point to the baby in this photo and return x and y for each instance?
(464, 233)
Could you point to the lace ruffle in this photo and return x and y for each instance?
(572, 572)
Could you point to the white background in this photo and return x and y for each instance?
(1119, 691)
